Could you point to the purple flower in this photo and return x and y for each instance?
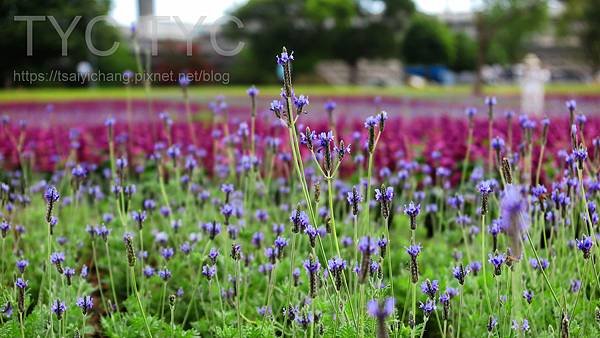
(514, 216)
(51, 195)
(184, 80)
(277, 108)
(370, 122)
(580, 154)
(164, 274)
(535, 265)
(236, 251)
(459, 272)
(490, 101)
(470, 112)
(69, 272)
(324, 139)
(497, 143)
(109, 122)
(213, 255)
(264, 311)
(382, 244)
(227, 188)
(301, 101)
(412, 210)
(6, 310)
(252, 91)
(485, 188)
(347, 241)
(209, 271)
(524, 327)
(456, 202)
(85, 303)
(312, 266)
(299, 221)
(585, 246)
(308, 138)
(185, 248)
(212, 229)
(428, 307)
(21, 283)
(121, 163)
(492, 323)
(414, 250)
(336, 264)
(445, 298)
(386, 195)
(4, 228)
(22, 264)
(367, 245)
(139, 216)
(381, 310)
(538, 191)
(167, 253)
(312, 234)
(496, 228)
(257, 239)
(78, 172)
(280, 243)
(575, 285)
(58, 307)
(528, 295)
(261, 215)
(148, 271)
(284, 58)
(57, 258)
(329, 106)
(103, 232)
(430, 288)
(497, 262)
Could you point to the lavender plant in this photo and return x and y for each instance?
(288, 230)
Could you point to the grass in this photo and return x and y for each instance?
(209, 91)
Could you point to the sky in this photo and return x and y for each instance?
(125, 11)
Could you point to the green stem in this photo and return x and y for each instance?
(110, 275)
(139, 301)
(484, 274)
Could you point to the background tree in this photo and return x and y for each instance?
(428, 41)
(581, 18)
(465, 52)
(318, 29)
(509, 24)
(46, 41)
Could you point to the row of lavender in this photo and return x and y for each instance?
(276, 229)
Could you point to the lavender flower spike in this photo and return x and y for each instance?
(412, 211)
(380, 311)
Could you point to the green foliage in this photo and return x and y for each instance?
(131, 325)
(505, 26)
(321, 29)
(428, 41)
(46, 42)
(581, 18)
(342, 11)
(466, 52)
(33, 325)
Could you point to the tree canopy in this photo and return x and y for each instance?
(318, 29)
(428, 41)
(46, 42)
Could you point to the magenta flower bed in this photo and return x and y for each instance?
(54, 131)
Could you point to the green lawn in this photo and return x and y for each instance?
(206, 92)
